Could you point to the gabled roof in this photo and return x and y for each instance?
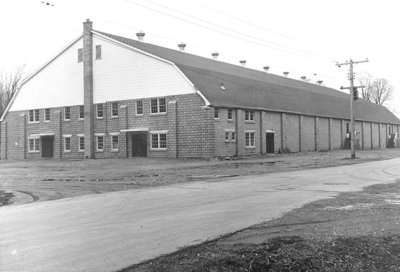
(248, 88)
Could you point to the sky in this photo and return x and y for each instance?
(305, 38)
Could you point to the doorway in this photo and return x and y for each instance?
(47, 146)
(139, 145)
(270, 142)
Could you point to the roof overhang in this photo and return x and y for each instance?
(143, 129)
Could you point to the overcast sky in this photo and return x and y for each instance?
(305, 38)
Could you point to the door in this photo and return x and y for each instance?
(139, 145)
(270, 142)
(47, 147)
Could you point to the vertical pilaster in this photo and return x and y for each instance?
(22, 136)
(123, 124)
(4, 154)
(316, 120)
(88, 88)
(283, 131)
(379, 135)
(262, 151)
(372, 135)
(301, 118)
(362, 135)
(58, 140)
(330, 133)
(172, 137)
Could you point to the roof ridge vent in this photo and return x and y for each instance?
(215, 55)
(303, 78)
(243, 62)
(266, 68)
(182, 46)
(320, 82)
(140, 35)
(286, 74)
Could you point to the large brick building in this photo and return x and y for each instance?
(109, 96)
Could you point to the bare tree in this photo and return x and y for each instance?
(376, 90)
(9, 84)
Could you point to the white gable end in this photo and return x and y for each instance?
(58, 84)
(124, 73)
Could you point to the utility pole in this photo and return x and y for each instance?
(353, 90)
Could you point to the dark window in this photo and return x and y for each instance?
(34, 145)
(81, 112)
(114, 140)
(81, 143)
(98, 51)
(216, 113)
(230, 114)
(233, 136)
(139, 107)
(249, 136)
(47, 114)
(158, 105)
(114, 109)
(100, 111)
(347, 128)
(33, 116)
(159, 141)
(67, 144)
(249, 115)
(67, 113)
(100, 143)
(80, 54)
(226, 136)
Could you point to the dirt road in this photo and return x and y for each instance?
(110, 231)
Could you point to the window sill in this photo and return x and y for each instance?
(67, 151)
(99, 118)
(33, 151)
(158, 149)
(48, 121)
(139, 115)
(250, 147)
(158, 113)
(115, 117)
(67, 120)
(230, 121)
(100, 151)
(115, 150)
(250, 121)
(81, 119)
(37, 122)
(81, 151)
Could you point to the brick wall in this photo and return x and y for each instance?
(190, 128)
(336, 134)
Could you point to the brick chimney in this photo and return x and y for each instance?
(88, 88)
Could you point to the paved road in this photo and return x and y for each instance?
(110, 231)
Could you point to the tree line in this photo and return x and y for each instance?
(9, 84)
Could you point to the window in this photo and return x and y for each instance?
(100, 111)
(230, 114)
(347, 128)
(114, 142)
(100, 143)
(34, 145)
(81, 112)
(139, 107)
(33, 116)
(390, 130)
(159, 141)
(158, 106)
(249, 115)
(216, 113)
(98, 51)
(67, 113)
(233, 136)
(226, 136)
(249, 136)
(47, 115)
(67, 144)
(114, 109)
(80, 54)
(81, 143)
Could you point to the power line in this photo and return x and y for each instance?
(254, 41)
(261, 27)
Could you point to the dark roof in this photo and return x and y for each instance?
(248, 88)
